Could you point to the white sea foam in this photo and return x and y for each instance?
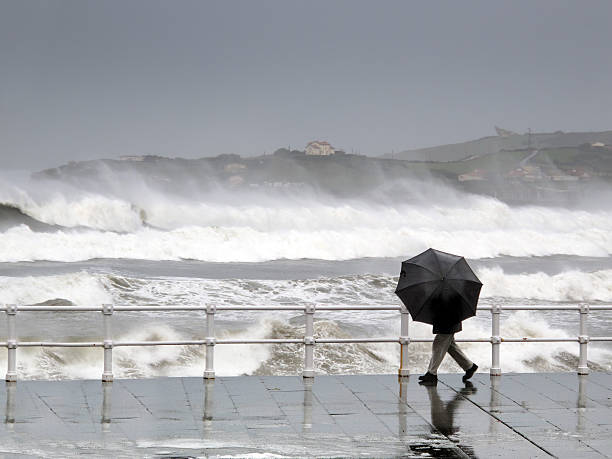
(79, 288)
(144, 361)
(74, 208)
(245, 244)
(264, 228)
(566, 286)
(230, 360)
(92, 288)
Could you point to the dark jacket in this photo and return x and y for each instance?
(446, 313)
(446, 328)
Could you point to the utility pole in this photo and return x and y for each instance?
(529, 139)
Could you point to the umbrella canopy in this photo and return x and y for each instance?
(438, 287)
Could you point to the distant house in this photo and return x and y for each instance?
(319, 148)
(526, 173)
(560, 176)
(516, 173)
(228, 157)
(141, 158)
(532, 173)
(476, 174)
(579, 172)
(131, 158)
(565, 178)
(234, 168)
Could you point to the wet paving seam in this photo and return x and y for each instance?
(189, 405)
(561, 407)
(591, 381)
(366, 406)
(501, 420)
(89, 410)
(324, 406)
(541, 394)
(229, 395)
(33, 396)
(50, 408)
(138, 400)
(580, 440)
(280, 408)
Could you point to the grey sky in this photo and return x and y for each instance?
(87, 79)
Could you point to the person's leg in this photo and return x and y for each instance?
(439, 348)
(456, 353)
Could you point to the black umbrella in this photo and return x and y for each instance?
(438, 286)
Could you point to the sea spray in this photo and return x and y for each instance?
(87, 288)
(569, 285)
(80, 288)
(235, 244)
(141, 222)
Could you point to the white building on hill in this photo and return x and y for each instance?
(319, 148)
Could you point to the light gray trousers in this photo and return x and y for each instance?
(441, 345)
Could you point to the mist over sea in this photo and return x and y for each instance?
(117, 235)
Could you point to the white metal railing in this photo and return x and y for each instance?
(309, 341)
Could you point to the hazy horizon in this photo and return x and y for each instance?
(85, 79)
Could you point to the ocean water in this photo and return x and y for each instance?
(130, 243)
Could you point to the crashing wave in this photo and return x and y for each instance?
(12, 215)
(145, 223)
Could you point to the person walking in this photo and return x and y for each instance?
(441, 289)
(444, 343)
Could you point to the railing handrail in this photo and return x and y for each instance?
(199, 307)
(12, 343)
(188, 307)
(86, 308)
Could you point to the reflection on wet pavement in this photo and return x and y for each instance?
(527, 415)
(442, 414)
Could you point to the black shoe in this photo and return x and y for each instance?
(428, 379)
(469, 372)
(422, 377)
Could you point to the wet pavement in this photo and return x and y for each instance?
(515, 415)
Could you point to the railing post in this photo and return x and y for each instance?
(404, 341)
(107, 314)
(309, 342)
(209, 371)
(495, 340)
(11, 342)
(583, 339)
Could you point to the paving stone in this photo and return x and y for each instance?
(375, 415)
